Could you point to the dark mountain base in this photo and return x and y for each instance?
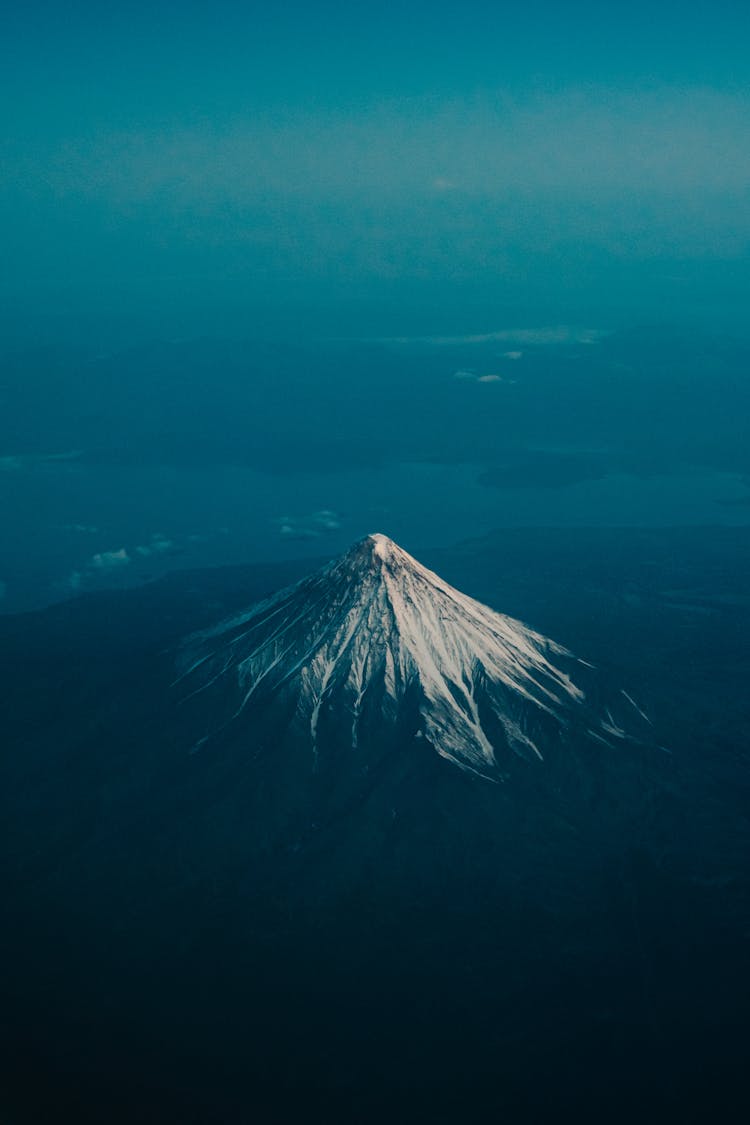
(520, 1014)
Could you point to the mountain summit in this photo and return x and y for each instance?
(375, 641)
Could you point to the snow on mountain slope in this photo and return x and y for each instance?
(373, 629)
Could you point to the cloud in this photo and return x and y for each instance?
(512, 355)
(327, 520)
(158, 545)
(110, 560)
(472, 377)
(75, 581)
(531, 337)
(440, 183)
(312, 526)
(16, 463)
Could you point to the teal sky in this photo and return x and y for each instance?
(197, 163)
(158, 62)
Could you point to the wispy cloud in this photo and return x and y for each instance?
(25, 462)
(109, 560)
(157, 545)
(530, 337)
(312, 526)
(470, 376)
(74, 581)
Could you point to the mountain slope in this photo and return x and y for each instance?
(375, 639)
(254, 932)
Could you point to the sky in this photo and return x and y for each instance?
(204, 161)
(274, 277)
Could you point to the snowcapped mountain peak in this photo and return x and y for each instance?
(382, 543)
(376, 549)
(383, 547)
(375, 640)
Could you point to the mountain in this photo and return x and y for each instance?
(380, 852)
(375, 642)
